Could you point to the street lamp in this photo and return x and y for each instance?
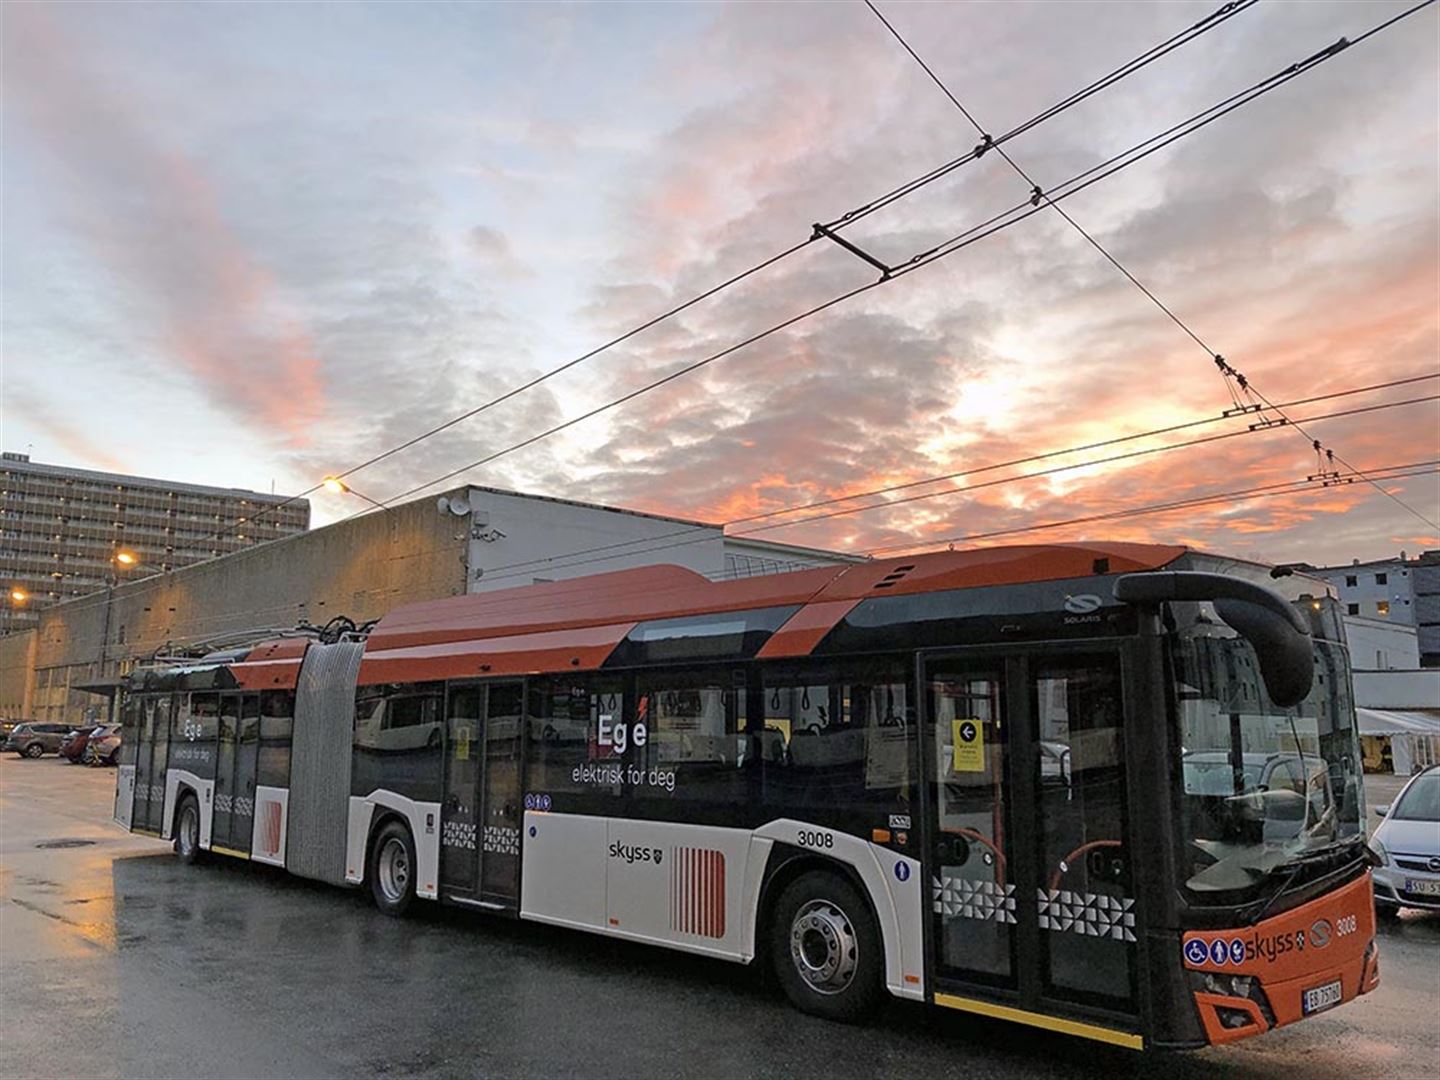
(336, 486)
(19, 596)
(126, 558)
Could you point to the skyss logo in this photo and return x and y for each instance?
(633, 853)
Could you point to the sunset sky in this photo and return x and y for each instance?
(247, 244)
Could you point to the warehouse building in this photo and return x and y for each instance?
(470, 540)
(68, 532)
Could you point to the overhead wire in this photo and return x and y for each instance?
(996, 223)
(1184, 37)
(1039, 195)
(706, 531)
(1289, 487)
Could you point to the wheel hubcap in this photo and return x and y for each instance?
(394, 867)
(824, 947)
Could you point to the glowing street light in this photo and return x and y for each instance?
(336, 486)
(19, 596)
(126, 558)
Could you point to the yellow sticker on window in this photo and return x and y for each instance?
(968, 739)
(462, 744)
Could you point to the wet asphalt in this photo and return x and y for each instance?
(117, 961)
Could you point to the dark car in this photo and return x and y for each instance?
(73, 748)
(34, 740)
(104, 746)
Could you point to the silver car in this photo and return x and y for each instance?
(1407, 847)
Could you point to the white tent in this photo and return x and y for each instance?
(1414, 736)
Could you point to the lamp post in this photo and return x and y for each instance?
(121, 560)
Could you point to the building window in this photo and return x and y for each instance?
(1382, 607)
(1351, 580)
(1382, 579)
(1354, 609)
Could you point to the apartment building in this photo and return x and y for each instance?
(67, 532)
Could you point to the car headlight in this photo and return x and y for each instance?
(1377, 849)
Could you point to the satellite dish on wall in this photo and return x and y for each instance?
(442, 504)
(459, 505)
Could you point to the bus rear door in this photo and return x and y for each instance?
(480, 815)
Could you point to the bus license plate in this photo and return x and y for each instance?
(1322, 997)
(1424, 888)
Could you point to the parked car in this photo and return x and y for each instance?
(7, 725)
(1407, 847)
(104, 746)
(33, 740)
(73, 748)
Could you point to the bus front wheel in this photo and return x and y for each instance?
(825, 947)
(392, 869)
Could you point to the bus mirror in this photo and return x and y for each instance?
(1278, 633)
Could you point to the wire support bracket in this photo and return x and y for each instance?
(859, 253)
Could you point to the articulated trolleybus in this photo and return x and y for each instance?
(1112, 790)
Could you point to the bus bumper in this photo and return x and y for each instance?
(1301, 962)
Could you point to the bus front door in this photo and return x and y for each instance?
(480, 817)
(1033, 903)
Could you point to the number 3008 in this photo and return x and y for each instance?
(816, 839)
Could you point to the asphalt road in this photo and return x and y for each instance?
(117, 961)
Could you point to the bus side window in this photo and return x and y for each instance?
(695, 744)
(565, 718)
(837, 742)
(277, 719)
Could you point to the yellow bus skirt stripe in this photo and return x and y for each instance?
(1051, 1023)
(230, 851)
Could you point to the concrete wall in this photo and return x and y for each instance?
(17, 674)
(1379, 645)
(360, 568)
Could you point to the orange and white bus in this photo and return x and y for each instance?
(1112, 790)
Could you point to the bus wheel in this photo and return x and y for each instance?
(825, 947)
(187, 830)
(392, 869)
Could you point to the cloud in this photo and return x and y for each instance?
(152, 215)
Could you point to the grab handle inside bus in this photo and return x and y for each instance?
(1262, 616)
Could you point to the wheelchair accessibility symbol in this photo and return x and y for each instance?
(1196, 952)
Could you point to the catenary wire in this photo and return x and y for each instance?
(1282, 488)
(1291, 487)
(1041, 195)
(1001, 221)
(160, 580)
(1203, 26)
(570, 560)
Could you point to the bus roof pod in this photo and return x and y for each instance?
(1263, 617)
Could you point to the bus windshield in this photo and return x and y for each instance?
(1263, 788)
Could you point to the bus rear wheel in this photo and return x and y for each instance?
(825, 947)
(187, 830)
(392, 869)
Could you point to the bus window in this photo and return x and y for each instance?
(566, 718)
(277, 719)
(694, 739)
(399, 732)
(838, 742)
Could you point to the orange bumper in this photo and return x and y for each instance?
(1329, 941)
